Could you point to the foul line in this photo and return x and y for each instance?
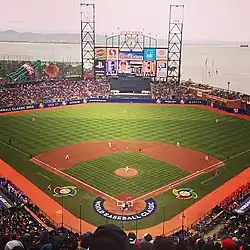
(46, 177)
(185, 179)
(73, 178)
(164, 188)
(17, 150)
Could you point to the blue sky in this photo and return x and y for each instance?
(227, 20)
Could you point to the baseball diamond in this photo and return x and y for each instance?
(101, 140)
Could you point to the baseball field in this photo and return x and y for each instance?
(71, 147)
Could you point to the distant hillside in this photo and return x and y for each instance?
(14, 36)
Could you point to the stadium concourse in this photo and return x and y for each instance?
(25, 227)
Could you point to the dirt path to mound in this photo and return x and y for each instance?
(184, 158)
(192, 214)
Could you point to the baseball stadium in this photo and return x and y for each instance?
(128, 143)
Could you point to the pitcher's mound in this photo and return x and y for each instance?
(123, 173)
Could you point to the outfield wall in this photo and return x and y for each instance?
(114, 100)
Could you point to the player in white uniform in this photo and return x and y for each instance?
(206, 158)
(178, 144)
(217, 120)
(126, 169)
(110, 145)
(66, 157)
(33, 119)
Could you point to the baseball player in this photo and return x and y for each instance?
(49, 187)
(217, 120)
(110, 145)
(66, 157)
(126, 169)
(206, 158)
(216, 172)
(178, 144)
(33, 119)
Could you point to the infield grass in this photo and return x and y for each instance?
(193, 127)
(152, 173)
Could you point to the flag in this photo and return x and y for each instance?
(206, 62)
(213, 63)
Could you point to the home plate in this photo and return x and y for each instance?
(59, 211)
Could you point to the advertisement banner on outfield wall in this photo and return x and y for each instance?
(161, 54)
(112, 54)
(149, 68)
(131, 56)
(149, 55)
(112, 68)
(101, 53)
(100, 67)
(162, 69)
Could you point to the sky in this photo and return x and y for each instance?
(223, 20)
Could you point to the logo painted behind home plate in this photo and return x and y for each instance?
(185, 193)
(99, 208)
(65, 191)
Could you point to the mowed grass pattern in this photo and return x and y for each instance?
(152, 173)
(191, 126)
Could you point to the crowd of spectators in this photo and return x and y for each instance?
(62, 90)
(27, 93)
(222, 213)
(223, 93)
(170, 91)
(20, 230)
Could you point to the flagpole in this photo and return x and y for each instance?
(205, 81)
(212, 73)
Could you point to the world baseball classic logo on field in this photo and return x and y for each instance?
(65, 191)
(99, 208)
(185, 193)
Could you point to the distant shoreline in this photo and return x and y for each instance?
(74, 43)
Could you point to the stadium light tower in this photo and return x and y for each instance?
(176, 18)
(87, 37)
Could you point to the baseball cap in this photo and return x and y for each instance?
(132, 238)
(109, 237)
(228, 244)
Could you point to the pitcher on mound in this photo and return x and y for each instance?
(126, 169)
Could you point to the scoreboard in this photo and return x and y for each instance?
(150, 62)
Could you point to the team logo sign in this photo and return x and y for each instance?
(185, 193)
(65, 191)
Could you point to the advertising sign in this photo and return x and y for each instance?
(131, 56)
(112, 54)
(161, 54)
(136, 68)
(100, 53)
(112, 68)
(161, 69)
(149, 68)
(243, 207)
(124, 67)
(100, 67)
(149, 55)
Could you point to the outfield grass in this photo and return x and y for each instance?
(152, 173)
(192, 127)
